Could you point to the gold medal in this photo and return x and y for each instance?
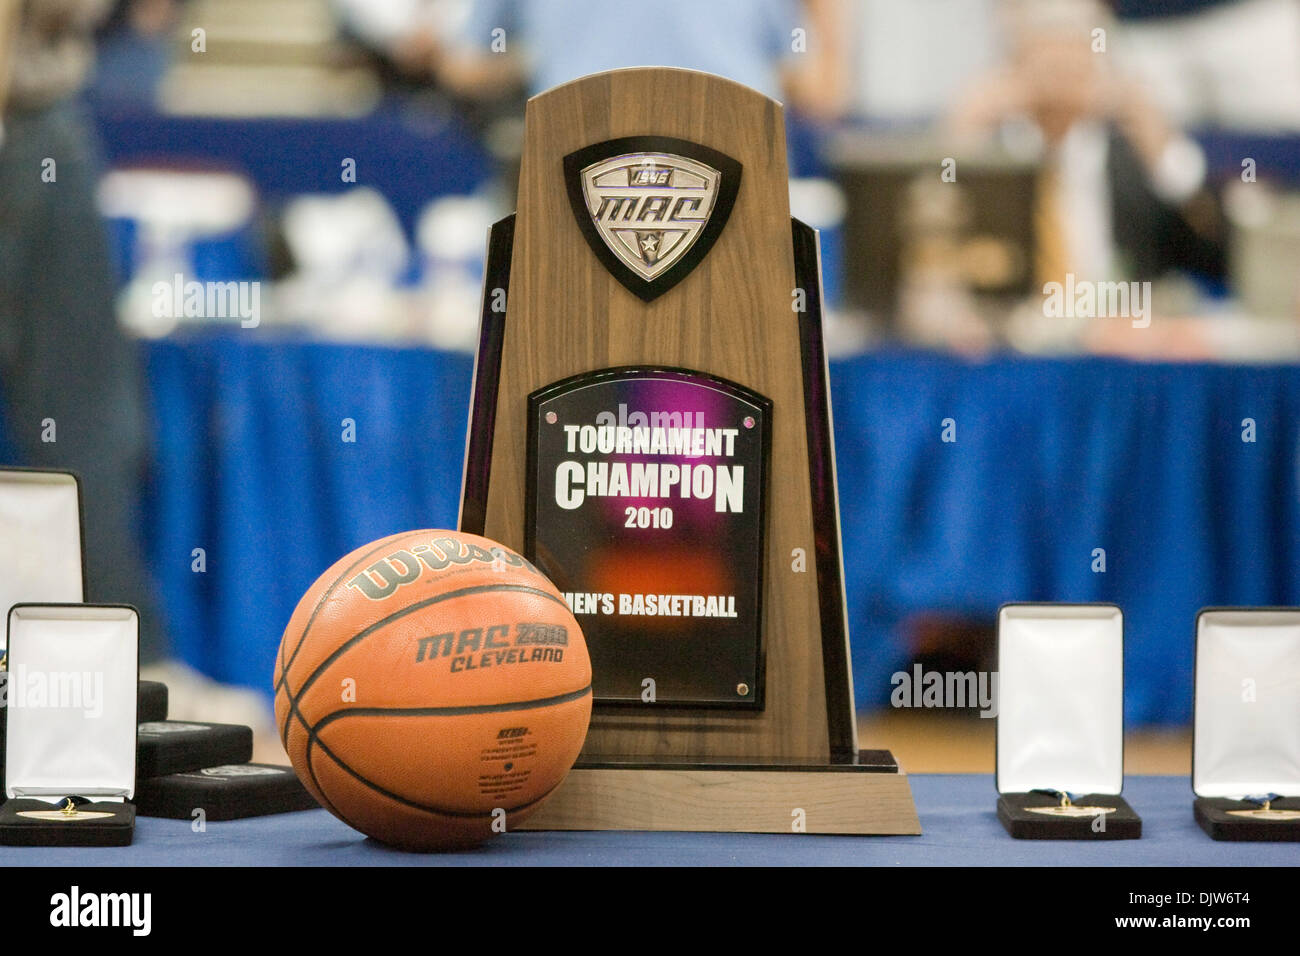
(68, 813)
(1067, 808)
(1071, 811)
(1267, 813)
(1262, 813)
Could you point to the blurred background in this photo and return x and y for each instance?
(241, 248)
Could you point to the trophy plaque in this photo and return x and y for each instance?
(650, 425)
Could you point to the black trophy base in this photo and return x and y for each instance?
(115, 829)
(1213, 816)
(864, 761)
(1017, 811)
(176, 746)
(229, 792)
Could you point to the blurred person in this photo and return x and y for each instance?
(408, 42)
(62, 356)
(909, 61)
(1121, 189)
(407, 34)
(1226, 63)
(485, 52)
(750, 41)
(135, 51)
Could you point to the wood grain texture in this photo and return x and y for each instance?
(738, 801)
(731, 317)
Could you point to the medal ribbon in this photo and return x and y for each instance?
(1066, 798)
(1262, 800)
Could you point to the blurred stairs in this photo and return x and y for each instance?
(266, 58)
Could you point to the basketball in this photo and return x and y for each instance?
(432, 688)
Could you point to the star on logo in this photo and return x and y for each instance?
(649, 245)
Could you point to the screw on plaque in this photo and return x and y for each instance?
(742, 689)
(749, 421)
(551, 418)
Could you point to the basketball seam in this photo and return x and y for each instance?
(382, 791)
(451, 711)
(287, 663)
(411, 609)
(311, 770)
(295, 711)
(293, 698)
(284, 672)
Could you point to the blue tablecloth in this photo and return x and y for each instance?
(957, 816)
(1052, 460)
(252, 467)
(410, 155)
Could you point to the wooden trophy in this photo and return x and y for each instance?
(651, 427)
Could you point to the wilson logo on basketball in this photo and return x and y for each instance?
(381, 579)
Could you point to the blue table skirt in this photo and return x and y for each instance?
(252, 467)
(1052, 459)
(409, 153)
(957, 816)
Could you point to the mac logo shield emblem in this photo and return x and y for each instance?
(651, 207)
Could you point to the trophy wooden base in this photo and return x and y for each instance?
(869, 795)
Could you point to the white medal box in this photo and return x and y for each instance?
(71, 732)
(1060, 723)
(42, 560)
(1246, 723)
(41, 557)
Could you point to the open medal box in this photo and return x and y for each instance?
(71, 729)
(1060, 723)
(41, 561)
(1246, 725)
